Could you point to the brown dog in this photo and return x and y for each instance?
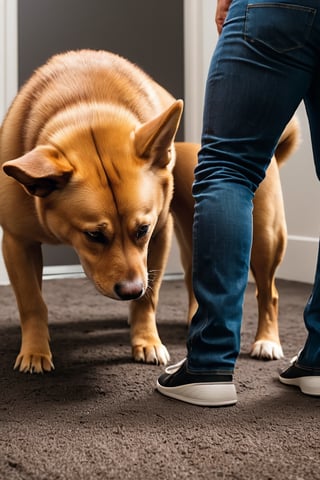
(269, 235)
(87, 149)
(90, 140)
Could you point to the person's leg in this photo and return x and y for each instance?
(305, 369)
(252, 91)
(310, 356)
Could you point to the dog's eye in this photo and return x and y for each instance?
(96, 236)
(142, 231)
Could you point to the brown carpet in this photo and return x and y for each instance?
(97, 416)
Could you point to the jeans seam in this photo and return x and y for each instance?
(300, 45)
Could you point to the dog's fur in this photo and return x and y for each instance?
(87, 153)
(90, 140)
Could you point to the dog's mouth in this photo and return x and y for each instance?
(122, 290)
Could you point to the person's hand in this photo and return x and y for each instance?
(221, 13)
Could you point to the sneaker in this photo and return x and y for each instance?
(207, 390)
(307, 379)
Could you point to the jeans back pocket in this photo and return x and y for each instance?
(280, 26)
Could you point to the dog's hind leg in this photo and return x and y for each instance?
(24, 266)
(269, 243)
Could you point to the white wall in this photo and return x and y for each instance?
(200, 38)
(8, 72)
(301, 191)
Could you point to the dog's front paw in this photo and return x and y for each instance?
(156, 354)
(34, 362)
(266, 350)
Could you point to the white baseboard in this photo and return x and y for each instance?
(300, 259)
(63, 271)
(76, 271)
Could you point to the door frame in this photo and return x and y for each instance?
(8, 74)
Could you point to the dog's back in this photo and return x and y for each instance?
(84, 76)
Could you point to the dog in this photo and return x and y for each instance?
(269, 235)
(87, 155)
(89, 159)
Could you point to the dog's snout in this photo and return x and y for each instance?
(129, 290)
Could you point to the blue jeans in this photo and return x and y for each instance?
(266, 62)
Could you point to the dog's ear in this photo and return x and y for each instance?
(153, 139)
(40, 171)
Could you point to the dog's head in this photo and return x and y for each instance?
(103, 185)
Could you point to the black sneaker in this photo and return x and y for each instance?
(206, 390)
(307, 379)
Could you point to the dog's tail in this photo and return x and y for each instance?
(289, 141)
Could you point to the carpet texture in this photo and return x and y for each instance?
(98, 416)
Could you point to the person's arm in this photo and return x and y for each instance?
(221, 13)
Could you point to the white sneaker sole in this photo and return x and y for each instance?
(202, 394)
(307, 385)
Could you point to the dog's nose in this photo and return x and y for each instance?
(129, 290)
